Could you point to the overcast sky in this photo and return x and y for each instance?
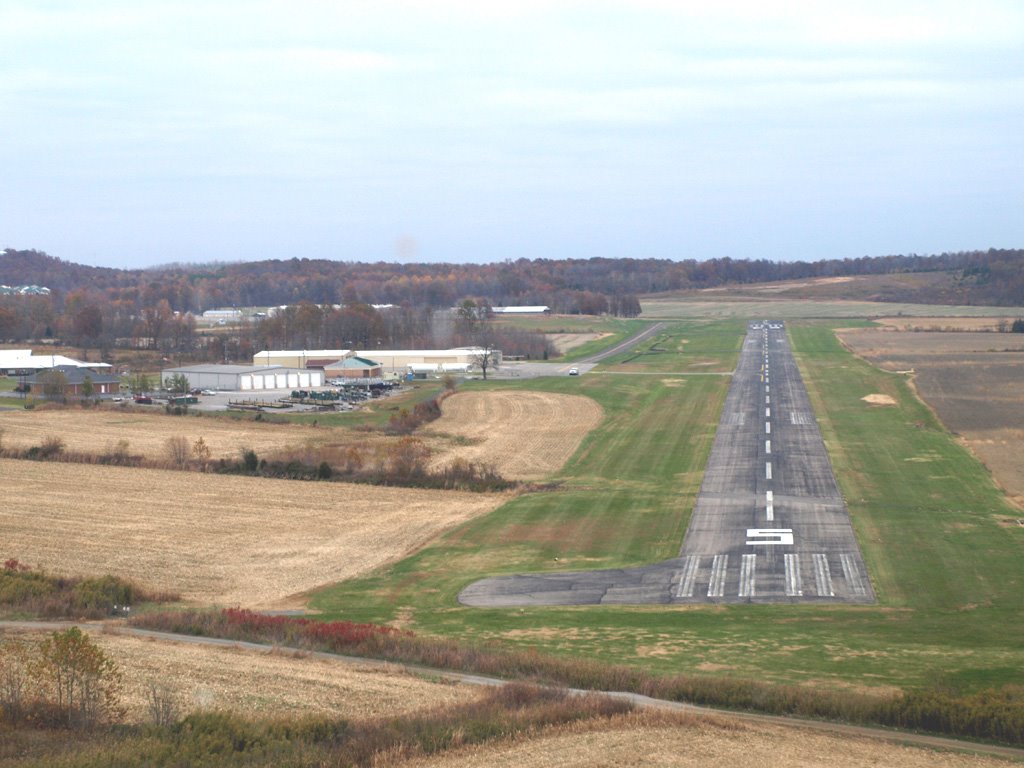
(139, 133)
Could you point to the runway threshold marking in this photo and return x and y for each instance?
(689, 576)
(823, 576)
(747, 570)
(716, 588)
(793, 585)
(854, 578)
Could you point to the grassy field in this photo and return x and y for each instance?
(947, 570)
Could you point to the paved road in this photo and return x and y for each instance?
(769, 525)
(896, 737)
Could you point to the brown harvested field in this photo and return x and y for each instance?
(259, 683)
(524, 435)
(216, 539)
(988, 324)
(147, 432)
(973, 382)
(661, 741)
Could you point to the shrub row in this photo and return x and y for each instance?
(36, 592)
(402, 463)
(990, 715)
(212, 738)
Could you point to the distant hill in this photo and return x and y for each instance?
(993, 277)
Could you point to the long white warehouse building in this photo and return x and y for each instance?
(244, 378)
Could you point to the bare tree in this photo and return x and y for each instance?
(486, 355)
(176, 449)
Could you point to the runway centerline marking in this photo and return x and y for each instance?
(769, 503)
(767, 470)
(767, 446)
(767, 427)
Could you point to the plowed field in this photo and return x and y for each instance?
(215, 539)
(524, 435)
(973, 382)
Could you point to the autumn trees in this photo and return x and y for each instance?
(64, 680)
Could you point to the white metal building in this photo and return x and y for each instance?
(400, 359)
(299, 358)
(245, 378)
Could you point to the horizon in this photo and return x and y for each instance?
(138, 136)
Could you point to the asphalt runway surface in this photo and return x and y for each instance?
(769, 526)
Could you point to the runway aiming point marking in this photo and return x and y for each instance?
(770, 537)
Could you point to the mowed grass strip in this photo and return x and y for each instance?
(926, 511)
(947, 574)
(682, 348)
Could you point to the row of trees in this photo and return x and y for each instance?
(570, 286)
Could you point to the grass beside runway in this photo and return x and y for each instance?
(931, 523)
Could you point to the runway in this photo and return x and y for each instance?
(769, 525)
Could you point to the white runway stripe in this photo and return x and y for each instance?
(767, 446)
(769, 500)
(688, 577)
(793, 586)
(767, 470)
(767, 427)
(823, 576)
(854, 578)
(716, 587)
(747, 566)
